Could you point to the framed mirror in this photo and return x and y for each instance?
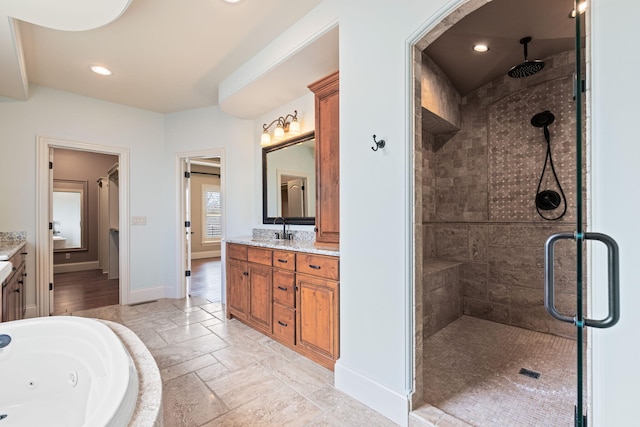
(289, 180)
(69, 215)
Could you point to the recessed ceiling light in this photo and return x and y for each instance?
(480, 47)
(231, 1)
(99, 69)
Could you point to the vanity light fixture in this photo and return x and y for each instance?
(480, 47)
(282, 127)
(99, 69)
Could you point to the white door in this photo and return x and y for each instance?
(187, 223)
(51, 284)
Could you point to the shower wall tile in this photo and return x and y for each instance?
(479, 190)
(473, 279)
(500, 313)
(452, 242)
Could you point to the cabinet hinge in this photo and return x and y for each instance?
(187, 175)
(50, 165)
(187, 273)
(187, 223)
(50, 286)
(50, 226)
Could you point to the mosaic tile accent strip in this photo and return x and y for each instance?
(517, 150)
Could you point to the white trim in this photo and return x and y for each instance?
(30, 311)
(206, 254)
(75, 266)
(44, 253)
(387, 402)
(180, 157)
(145, 295)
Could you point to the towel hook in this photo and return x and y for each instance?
(379, 144)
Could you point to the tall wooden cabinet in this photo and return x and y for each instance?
(327, 114)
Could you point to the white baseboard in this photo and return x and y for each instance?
(144, 295)
(76, 266)
(206, 254)
(30, 311)
(389, 403)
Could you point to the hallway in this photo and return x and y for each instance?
(206, 278)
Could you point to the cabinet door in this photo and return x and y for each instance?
(237, 289)
(317, 315)
(327, 159)
(260, 291)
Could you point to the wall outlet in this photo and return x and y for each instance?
(67, 255)
(139, 220)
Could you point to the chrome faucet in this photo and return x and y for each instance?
(284, 235)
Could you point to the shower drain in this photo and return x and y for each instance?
(529, 373)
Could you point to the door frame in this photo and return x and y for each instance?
(427, 33)
(44, 251)
(180, 158)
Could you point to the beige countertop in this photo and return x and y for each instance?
(288, 245)
(10, 244)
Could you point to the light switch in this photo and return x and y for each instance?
(139, 220)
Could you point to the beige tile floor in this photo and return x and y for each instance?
(219, 372)
(472, 372)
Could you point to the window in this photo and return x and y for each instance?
(212, 213)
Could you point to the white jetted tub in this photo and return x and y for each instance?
(64, 371)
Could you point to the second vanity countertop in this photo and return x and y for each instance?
(288, 245)
(11, 243)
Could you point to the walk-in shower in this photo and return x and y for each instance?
(496, 176)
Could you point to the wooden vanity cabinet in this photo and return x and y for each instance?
(327, 136)
(13, 293)
(295, 300)
(249, 285)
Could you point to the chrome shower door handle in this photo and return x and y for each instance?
(549, 291)
(614, 281)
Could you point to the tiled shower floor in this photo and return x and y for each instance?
(472, 366)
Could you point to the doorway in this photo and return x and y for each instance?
(85, 230)
(45, 288)
(487, 352)
(201, 224)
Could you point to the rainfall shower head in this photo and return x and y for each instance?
(543, 119)
(526, 68)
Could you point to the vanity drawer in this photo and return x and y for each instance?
(237, 251)
(284, 284)
(318, 265)
(284, 259)
(259, 255)
(284, 323)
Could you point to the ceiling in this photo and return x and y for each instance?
(500, 24)
(167, 57)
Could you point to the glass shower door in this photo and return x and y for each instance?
(581, 237)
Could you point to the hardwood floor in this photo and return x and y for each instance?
(206, 279)
(83, 290)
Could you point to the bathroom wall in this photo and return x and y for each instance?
(479, 209)
(83, 166)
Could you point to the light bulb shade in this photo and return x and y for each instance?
(265, 139)
(278, 133)
(294, 127)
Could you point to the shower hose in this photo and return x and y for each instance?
(549, 160)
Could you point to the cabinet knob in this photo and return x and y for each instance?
(245, 273)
